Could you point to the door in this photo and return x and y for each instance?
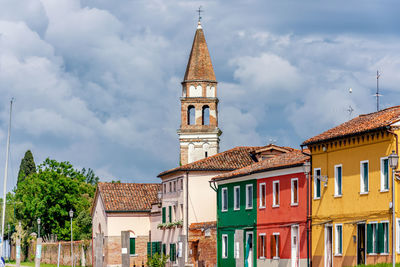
(361, 243)
(248, 260)
(295, 246)
(328, 246)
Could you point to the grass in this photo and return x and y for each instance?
(32, 264)
(379, 265)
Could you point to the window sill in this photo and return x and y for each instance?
(364, 193)
(337, 196)
(275, 206)
(261, 258)
(373, 254)
(133, 255)
(384, 254)
(317, 198)
(236, 209)
(249, 208)
(294, 204)
(261, 207)
(384, 191)
(224, 210)
(275, 258)
(338, 255)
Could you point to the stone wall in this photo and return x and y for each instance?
(82, 253)
(203, 244)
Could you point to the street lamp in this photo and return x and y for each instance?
(307, 169)
(38, 225)
(393, 162)
(71, 215)
(9, 243)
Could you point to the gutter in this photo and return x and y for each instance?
(212, 185)
(126, 211)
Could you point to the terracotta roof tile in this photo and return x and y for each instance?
(229, 160)
(128, 196)
(199, 66)
(361, 124)
(286, 160)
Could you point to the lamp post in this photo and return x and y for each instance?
(9, 243)
(71, 215)
(307, 170)
(393, 162)
(38, 225)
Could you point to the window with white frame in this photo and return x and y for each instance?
(224, 246)
(275, 194)
(317, 183)
(338, 239)
(262, 246)
(338, 180)
(262, 195)
(236, 197)
(275, 245)
(384, 174)
(372, 238)
(294, 191)
(224, 199)
(364, 177)
(249, 196)
(385, 226)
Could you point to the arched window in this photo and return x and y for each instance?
(190, 115)
(205, 115)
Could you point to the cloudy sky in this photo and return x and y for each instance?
(97, 82)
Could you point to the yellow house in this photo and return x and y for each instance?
(351, 191)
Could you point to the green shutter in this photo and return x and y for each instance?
(381, 239)
(172, 252)
(159, 248)
(339, 170)
(386, 173)
(132, 247)
(163, 215)
(366, 177)
(153, 248)
(318, 187)
(170, 213)
(164, 249)
(369, 238)
(340, 237)
(148, 249)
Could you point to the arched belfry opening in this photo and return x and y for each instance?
(205, 115)
(191, 118)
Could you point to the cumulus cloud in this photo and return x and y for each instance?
(98, 82)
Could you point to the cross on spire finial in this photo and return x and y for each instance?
(199, 10)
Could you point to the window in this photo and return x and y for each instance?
(224, 246)
(172, 252)
(384, 174)
(338, 180)
(174, 186)
(132, 246)
(164, 211)
(205, 115)
(262, 246)
(170, 213)
(364, 177)
(317, 183)
(236, 198)
(165, 188)
(372, 238)
(385, 246)
(249, 196)
(275, 246)
(224, 199)
(275, 195)
(338, 239)
(262, 195)
(190, 115)
(181, 212)
(170, 186)
(295, 194)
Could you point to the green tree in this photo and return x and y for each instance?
(50, 193)
(26, 167)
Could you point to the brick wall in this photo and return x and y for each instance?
(113, 251)
(203, 247)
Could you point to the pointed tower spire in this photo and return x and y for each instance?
(199, 132)
(199, 65)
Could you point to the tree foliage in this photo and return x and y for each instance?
(50, 193)
(26, 167)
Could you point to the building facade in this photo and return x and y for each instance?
(352, 191)
(122, 207)
(199, 132)
(262, 214)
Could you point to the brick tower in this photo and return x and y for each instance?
(199, 132)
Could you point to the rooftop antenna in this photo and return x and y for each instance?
(350, 109)
(272, 141)
(377, 95)
(200, 10)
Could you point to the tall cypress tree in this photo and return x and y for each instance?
(26, 167)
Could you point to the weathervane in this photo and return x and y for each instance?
(199, 10)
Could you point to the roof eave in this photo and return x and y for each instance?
(196, 170)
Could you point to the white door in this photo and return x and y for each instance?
(328, 246)
(295, 246)
(249, 250)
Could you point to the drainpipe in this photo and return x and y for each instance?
(397, 139)
(308, 177)
(187, 217)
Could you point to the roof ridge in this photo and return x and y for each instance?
(366, 114)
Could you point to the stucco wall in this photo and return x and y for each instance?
(99, 220)
(139, 223)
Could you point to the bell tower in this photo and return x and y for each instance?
(199, 132)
